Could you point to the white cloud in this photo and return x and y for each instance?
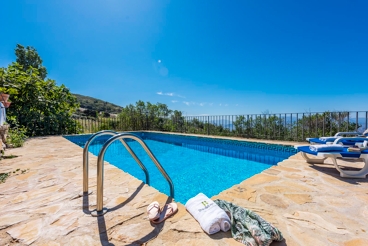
(170, 94)
(203, 104)
(189, 103)
(174, 101)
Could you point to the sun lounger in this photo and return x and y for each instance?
(338, 138)
(330, 140)
(334, 155)
(347, 142)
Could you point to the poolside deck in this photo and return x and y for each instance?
(311, 205)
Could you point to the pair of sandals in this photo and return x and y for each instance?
(156, 214)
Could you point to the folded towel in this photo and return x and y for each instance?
(358, 145)
(209, 215)
(328, 139)
(326, 147)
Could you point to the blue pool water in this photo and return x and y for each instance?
(195, 164)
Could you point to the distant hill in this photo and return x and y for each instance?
(91, 104)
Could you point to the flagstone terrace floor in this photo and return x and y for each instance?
(310, 204)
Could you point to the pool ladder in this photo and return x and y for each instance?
(100, 210)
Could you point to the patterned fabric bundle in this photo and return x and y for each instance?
(248, 227)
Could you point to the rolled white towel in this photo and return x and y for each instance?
(225, 225)
(209, 215)
(326, 147)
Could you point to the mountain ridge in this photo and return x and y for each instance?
(91, 104)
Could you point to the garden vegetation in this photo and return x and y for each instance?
(39, 106)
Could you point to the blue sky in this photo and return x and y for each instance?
(200, 57)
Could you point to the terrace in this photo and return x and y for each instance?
(310, 204)
(181, 67)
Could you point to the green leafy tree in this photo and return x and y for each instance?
(240, 126)
(90, 113)
(177, 121)
(29, 59)
(39, 105)
(147, 116)
(326, 123)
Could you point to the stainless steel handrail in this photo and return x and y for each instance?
(85, 157)
(100, 170)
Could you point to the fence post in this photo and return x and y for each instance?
(248, 131)
(297, 127)
(208, 125)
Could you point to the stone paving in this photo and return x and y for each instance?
(310, 204)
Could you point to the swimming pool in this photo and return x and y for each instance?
(195, 164)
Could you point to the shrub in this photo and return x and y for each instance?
(17, 136)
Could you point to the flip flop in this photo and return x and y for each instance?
(166, 211)
(153, 211)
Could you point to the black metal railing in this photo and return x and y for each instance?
(282, 126)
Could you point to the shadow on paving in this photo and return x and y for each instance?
(330, 169)
(104, 239)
